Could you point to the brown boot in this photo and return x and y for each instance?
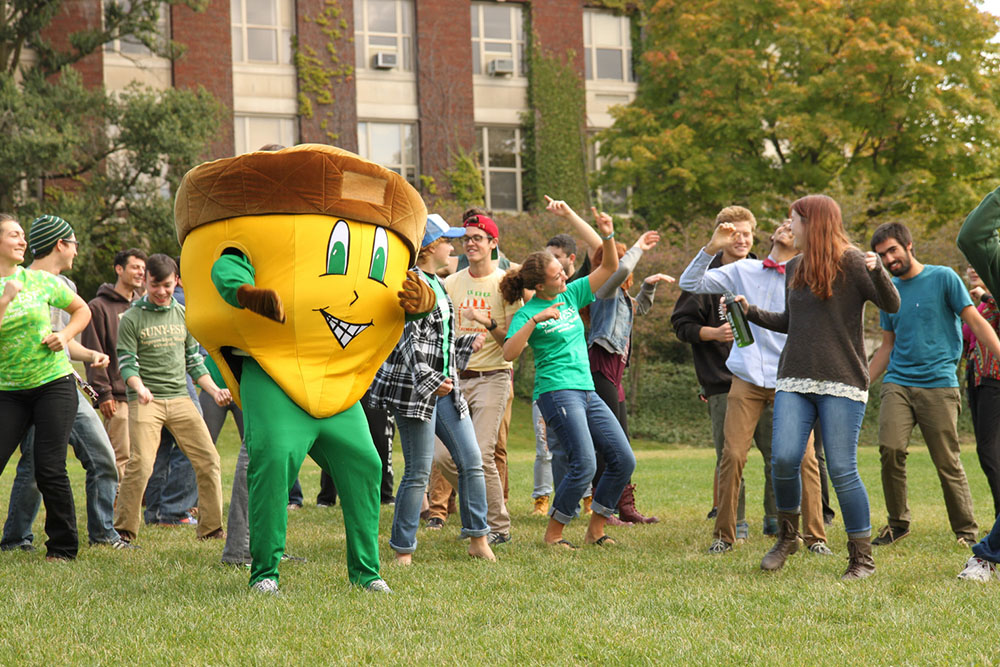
(786, 544)
(860, 563)
(627, 510)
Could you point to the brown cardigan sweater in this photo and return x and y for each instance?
(826, 337)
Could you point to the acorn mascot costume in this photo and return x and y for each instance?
(293, 262)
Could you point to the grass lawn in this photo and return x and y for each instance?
(656, 597)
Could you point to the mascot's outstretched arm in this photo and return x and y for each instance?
(233, 276)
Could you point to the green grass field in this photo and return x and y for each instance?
(656, 597)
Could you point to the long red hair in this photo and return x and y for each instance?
(825, 244)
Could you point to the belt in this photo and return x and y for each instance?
(470, 375)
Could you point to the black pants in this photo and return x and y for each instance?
(984, 408)
(52, 409)
(382, 430)
(608, 392)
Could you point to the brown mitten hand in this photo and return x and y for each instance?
(416, 297)
(264, 302)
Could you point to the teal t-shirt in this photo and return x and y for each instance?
(445, 306)
(928, 328)
(26, 362)
(560, 345)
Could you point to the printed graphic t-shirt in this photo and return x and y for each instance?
(560, 345)
(483, 295)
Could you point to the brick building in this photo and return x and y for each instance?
(428, 75)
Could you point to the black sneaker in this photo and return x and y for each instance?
(714, 512)
(434, 523)
(888, 535)
(497, 538)
(23, 546)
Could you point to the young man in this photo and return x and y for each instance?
(697, 320)
(101, 334)
(754, 369)
(54, 246)
(980, 243)
(921, 346)
(154, 349)
(486, 381)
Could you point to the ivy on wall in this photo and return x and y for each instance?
(555, 138)
(316, 73)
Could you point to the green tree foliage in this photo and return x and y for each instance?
(758, 101)
(107, 162)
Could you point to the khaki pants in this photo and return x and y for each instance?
(935, 410)
(117, 428)
(181, 418)
(744, 407)
(487, 397)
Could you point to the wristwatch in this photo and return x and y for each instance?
(492, 325)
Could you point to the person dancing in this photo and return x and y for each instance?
(564, 387)
(823, 372)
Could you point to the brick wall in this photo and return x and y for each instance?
(559, 25)
(444, 83)
(341, 117)
(74, 16)
(208, 62)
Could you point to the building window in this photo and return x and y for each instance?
(383, 26)
(500, 149)
(129, 46)
(607, 45)
(616, 202)
(262, 31)
(392, 145)
(497, 34)
(252, 132)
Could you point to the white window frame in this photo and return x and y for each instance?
(516, 18)
(162, 29)
(483, 133)
(408, 161)
(592, 42)
(594, 164)
(241, 131)
(284, 28)
(403, 35)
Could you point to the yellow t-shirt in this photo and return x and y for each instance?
(483, 295)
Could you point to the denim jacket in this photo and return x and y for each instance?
(612, 312)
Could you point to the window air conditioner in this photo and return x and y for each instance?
(500, 67)
(385, 60)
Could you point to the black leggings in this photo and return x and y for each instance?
(382, 432)
(984, 405)
(52, 409)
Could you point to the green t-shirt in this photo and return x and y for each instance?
(444, 305)
(26, 363)
(560, 345)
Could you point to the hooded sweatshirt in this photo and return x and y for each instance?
(154, 344)
(101, 334)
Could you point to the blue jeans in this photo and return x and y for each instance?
(582, 421)
(417, 440)
(93, 448)
(989, 547)
(840, 423)
(543, 454)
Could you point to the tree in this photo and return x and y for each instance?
(106, 161)
(760, 101)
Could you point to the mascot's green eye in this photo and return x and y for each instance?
(337, 249)
(380, 255)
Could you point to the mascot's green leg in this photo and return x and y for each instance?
(346, 451)
(278, 434)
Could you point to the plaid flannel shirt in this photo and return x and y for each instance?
(414, 370)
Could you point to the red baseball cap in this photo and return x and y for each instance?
(483, 223)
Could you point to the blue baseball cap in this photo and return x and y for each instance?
(437, 227)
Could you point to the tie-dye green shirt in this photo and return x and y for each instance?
(25, 362)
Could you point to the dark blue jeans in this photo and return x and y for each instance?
(584, 424)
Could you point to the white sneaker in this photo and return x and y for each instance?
(266, 587)
(378, 586)
(977, 569)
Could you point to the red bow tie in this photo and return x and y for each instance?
(771, 264)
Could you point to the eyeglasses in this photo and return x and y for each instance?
(76, 243)
(475, 238)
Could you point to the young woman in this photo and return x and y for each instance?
(564, 388)
(36, 378)
(609, 344)
(419, 384)
(823, 372)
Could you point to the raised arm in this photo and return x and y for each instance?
(626, 265)
(580, 226)
(609, 261)
(886, 297)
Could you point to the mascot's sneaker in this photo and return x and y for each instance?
(977, 569)
(377, 586)
(266, 587)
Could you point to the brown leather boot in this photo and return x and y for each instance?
(786, 544)
(860, 563)
(627, 510)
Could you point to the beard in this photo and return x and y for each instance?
(900, 269)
